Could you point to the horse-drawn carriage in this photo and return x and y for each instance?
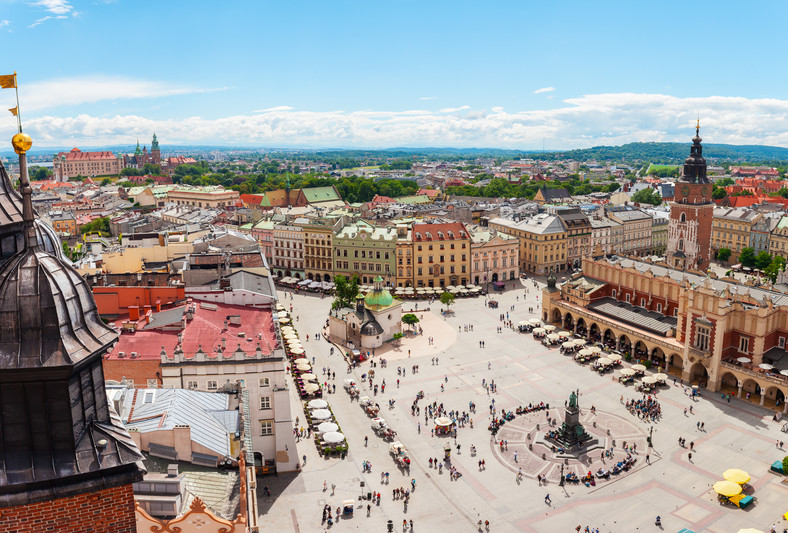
(350, 387)
(400, 454)
(381, 428)
(370, 408)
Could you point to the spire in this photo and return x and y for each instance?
(138, 151)
(154, 145)
(22, 143)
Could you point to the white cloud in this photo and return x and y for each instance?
(544, 90)
(275, 108)
(5, 23)
(583, 121)
(56, 7)
(428, 98)
(455, 109)
(90, 89)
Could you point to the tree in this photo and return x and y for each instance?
(785, 464)
(100, 224)
(724, 182)
(397, 337)
(763, 260)
(39, 173)
(775, 267)
(723, 254)
(719, 194)
(150, 168)
(106, 181)
(783, 192)
(747, 257)
(410, 319)
(647, 196)
(346, 291)
(447, 299)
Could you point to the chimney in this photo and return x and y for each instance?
(172, 470)
(134, 312)
(224, 343)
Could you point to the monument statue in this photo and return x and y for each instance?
(573, 399)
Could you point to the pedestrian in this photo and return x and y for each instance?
(366, 441)
(547, 499)
(648, 459)
(689, 457)
(692, 446)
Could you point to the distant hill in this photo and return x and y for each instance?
(673, 153)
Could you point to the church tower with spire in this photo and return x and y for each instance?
(691, 213)
(155, 151)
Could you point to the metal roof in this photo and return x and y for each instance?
(637, 316)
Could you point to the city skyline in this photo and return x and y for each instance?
(352, 75)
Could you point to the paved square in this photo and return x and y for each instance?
(737, 435)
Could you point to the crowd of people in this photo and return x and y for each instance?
(647, 408)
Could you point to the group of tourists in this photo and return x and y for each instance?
(647, 408)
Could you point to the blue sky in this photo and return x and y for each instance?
(367, 74)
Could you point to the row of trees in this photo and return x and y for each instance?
(769, 264)
(502, 188)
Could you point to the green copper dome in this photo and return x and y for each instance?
(379, 297)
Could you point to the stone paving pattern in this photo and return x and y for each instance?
(738, 435)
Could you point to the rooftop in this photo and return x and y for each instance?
(208, 325)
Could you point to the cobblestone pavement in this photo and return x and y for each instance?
(738, 435)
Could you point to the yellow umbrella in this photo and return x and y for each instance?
(727, 488)
(736, 475)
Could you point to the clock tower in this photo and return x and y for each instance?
(691, 213)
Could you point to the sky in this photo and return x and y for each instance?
(369, 74)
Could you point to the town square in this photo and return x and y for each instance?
(513, 370)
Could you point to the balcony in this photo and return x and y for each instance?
(777, 380)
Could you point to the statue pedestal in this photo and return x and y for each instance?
(572, 432)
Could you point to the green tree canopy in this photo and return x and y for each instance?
(100, 224)
(747, 257)
(775, 267)
(410, 319)
(762, 260)
(647, 196)
(723, 254)
(346, 291)
(447, 299)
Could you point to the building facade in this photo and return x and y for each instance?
(288, 250)
(494, 256)
(731, 228)
(543, 242)
(210, 196)
(693, 326)
(89, 164)
(636, 228)
(691, 213)
(441, 253)
(318, 250)
(578, 235)
(365, 250)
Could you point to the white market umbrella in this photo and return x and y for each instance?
(595, 349)
(638, 368)
(534, 321)
(766, 366)
(280, 307)
(291, 337)
(442, 421)
(660, 376)
(310, 388)
(327, 427)
(304, 367)
(321, 414)
(308, 376)
(538, 330)
(568, 345)
(523, 323)
(317, 403)
(579, 342)
(283, 314)
(627, 372)
(604, 361)
(649, 380)
(784, 372)
(744, 360)
(301, 361)
(585, 352)
(333, 437)
(563, 334)
(297, 351)
(284, 320)
(553, 337)
(549, 327)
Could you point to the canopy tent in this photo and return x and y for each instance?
(317, 403)
(442, 421)
(333, 437)
(327, 427)
(727, 488)
(736, 475)
(321, 414)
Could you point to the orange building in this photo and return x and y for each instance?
(113, 301)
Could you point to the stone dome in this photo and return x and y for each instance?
(48, 316)
(371, 328)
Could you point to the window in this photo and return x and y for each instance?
(781, 342)
(264, 382)
(642, 302)
(659, 308)
(266, 427)
(744, 344)
(627, 298)
(614, 293)
(702, 338)
(212, 385)
(191, 385)
(265, 402)
(149, 396)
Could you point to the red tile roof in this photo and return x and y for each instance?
(205, 330)
(78, 155)
(458, 230)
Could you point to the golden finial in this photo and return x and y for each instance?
(21, 142)
(697, 127)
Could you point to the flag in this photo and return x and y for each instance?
(14, 110)
(8, 81)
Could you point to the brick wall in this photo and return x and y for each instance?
(104, 511)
